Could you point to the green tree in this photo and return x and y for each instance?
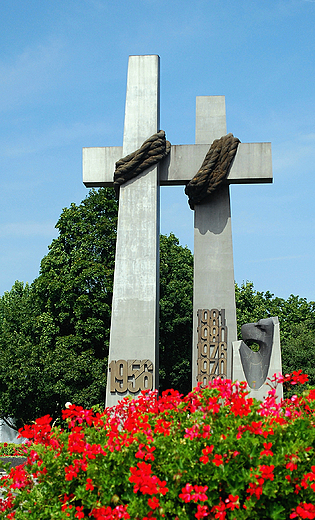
(176, 290)
(54, 334)
(17, 372)
(253, 305)
(298, 350)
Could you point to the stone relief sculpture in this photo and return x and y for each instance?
(256, 367)
(256, 364)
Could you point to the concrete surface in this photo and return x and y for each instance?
(213, 251)
(7, 434)
(252, 164)
(134, 323)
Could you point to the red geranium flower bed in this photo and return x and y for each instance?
(215, 453)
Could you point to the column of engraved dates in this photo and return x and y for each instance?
(212, 345)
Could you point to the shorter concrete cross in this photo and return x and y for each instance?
(133, 308)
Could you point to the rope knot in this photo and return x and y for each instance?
(214, 169)
(151, 152)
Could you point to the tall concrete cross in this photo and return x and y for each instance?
(133, 352)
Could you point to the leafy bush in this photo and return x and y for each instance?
(215, 453)
(10, 449)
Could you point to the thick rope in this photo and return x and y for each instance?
(151, 152)
(214, 169)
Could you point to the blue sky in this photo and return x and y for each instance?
(63, 67)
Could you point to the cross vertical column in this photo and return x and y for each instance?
(133, 350)
(213, 251)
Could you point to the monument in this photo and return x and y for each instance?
(256, 367)
(133, 352)
(8, 434)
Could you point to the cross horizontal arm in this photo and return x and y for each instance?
(252, 164)
(99, 165)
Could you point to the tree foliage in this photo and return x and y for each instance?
(54, 333)
(176, 289)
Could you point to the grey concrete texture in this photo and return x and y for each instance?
(8, 434)
(241, 371)
(256, 363)
(134, 322)
(213, 250)
(252, 164)
(13, 461)
(210, 119)
(213, 267)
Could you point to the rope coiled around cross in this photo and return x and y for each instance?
(151, 152)
(213, 171)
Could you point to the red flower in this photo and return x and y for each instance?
(145, 452)
(217, 460)
(192, 432)
(89, 485)
(202, 512)
(298, 377)
(267, 451)
(304, 510)
(267, 472)
(20, 478)
(255, 489)
(146, 483)
(163, 427)
(72, 471)
(219, 510)
(193, 493)
(232, 502)
(206, 451)
(153, 503)
(185, 495)
(79, 513)
(107, 513)
(39, 431)
(292, 464)
(206, 431)
(309, 477)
